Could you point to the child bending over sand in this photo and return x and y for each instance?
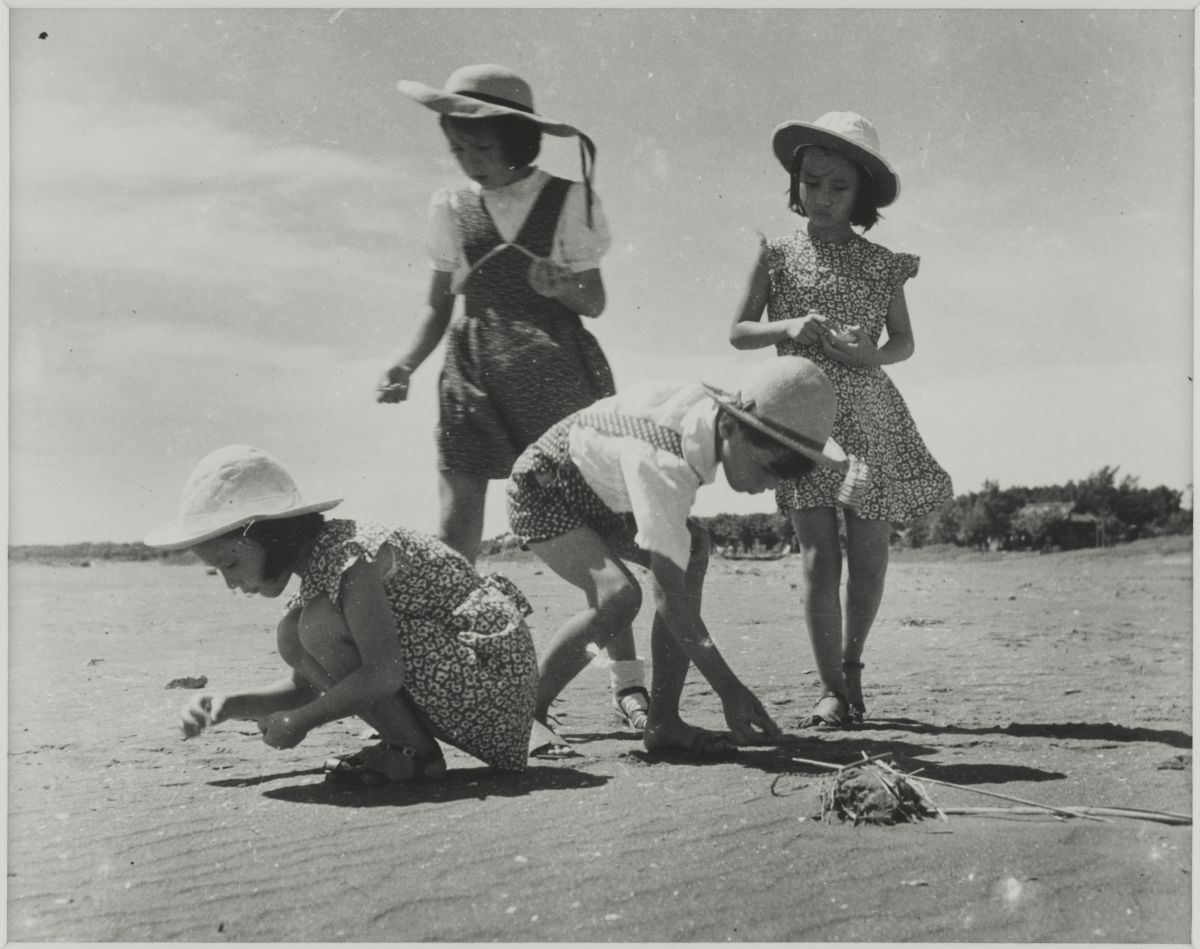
(615, 482)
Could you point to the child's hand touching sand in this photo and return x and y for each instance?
(199, 713)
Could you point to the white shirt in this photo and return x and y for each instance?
(575, 245)
(657, 486)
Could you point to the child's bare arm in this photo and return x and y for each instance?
(749, 332)
(280, 696)
(209, 708)
(393, 387)
(381, 670)
(680, 609)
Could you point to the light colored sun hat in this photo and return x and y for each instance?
(488, 91)
(845, 132)
(228, 488)
(791, 400)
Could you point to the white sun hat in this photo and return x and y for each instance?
(845, 132)
(228, 488)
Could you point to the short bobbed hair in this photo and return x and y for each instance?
(520, 139)
(281, 539)
(864, 214)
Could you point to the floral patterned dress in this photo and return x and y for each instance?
(469, 660)
(852, 284)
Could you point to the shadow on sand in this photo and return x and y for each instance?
(459, 784)
(1066, 731)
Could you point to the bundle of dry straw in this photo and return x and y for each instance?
(871, 792)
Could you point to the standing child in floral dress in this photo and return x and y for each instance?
(830, 294)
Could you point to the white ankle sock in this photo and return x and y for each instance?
(626, 674)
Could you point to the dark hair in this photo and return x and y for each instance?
(520, 139)
(280, 539)
(792, 465)
(865, 212)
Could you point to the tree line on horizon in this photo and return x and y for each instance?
(1097, 510)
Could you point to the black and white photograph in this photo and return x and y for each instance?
(580, 474)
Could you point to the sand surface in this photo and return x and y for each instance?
(1063, 678)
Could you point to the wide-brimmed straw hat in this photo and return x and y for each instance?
(483, 91)
(488, 91)
(230, 487)
(845, 132)
(791, 400)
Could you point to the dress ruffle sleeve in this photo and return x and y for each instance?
(334, 557)
(905, 268)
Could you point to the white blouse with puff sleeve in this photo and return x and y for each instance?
(575, 244)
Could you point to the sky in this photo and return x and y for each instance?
(218, 231)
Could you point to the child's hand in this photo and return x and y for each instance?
(852, 347)
(810, 329)
(280, 730)
(550, 279)
(747, 719)
(199, 713)
(393, 387)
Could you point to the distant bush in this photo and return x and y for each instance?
(90, 553)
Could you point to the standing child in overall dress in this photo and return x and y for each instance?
(388, 624)
(830, 294)
(523, 248)
(615, 483)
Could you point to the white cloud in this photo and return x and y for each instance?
(165, 193)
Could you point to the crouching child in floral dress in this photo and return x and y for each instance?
(389, 625)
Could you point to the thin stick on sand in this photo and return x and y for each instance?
(1163, 817)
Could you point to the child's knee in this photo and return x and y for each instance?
(822, 567)
(287, 639)
(321, 627)
(621, 600)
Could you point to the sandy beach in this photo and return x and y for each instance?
(1063, 678)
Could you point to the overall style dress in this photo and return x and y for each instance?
(516, 362)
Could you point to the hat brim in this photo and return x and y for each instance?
(830, 455)
(186, 532)
(466, 107)
(793, 135)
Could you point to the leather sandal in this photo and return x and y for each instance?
(633, 705)
(370, 768)
(830, 712)
(856, 709)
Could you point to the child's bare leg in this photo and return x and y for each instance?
(817, 536)
(583, 559)
(331, 655)
(867, 543)
(462, 499)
